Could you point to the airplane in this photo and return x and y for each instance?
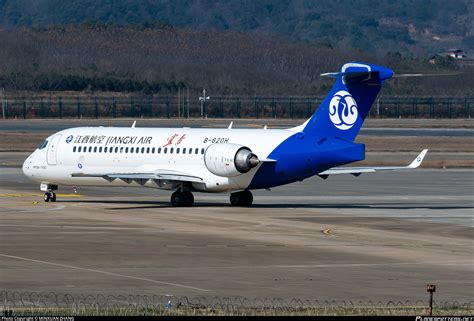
(187, 160)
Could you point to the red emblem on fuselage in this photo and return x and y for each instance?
(170, 140)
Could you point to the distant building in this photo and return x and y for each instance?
(455, 53)
(459, 57)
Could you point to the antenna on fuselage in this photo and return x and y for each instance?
(230, 125)
(134, 123)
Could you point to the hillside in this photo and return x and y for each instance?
(413, 28)
(161, 60)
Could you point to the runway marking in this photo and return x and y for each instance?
(22, 195)
(105, 272)
(328, 232)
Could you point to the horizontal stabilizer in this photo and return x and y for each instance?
(359, 170)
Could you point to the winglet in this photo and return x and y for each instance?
(417, 161)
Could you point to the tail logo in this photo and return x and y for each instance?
(343, 110)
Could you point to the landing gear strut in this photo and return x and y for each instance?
(243, 198)
(50, 196)
(182, 199)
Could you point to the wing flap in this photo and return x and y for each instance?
(359, 170)
(140, 177)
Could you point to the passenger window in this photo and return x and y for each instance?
(165, 150)
(116, 149)
(95, 149)
(126, 150)
(74, 149)
(100, 149)
(153, 150)
(143, 150)
(131, 150)
(171, 150)
(43, 144)
(148, 150)
(137, 150)
(79, 149)
(90, 149)
(196, 151)
(202, 151)
(111, 150)
(105, 149)
(159, 150)
(121, 150)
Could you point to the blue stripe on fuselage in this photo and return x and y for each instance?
(301, 156)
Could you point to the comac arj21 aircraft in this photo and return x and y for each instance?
(186, 160)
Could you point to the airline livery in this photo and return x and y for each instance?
(187, 160)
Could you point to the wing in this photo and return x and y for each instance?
(356, 171)
(142, 178)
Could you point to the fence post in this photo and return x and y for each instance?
(167, 109)
(42, 108)
(60, 107)
(432, 114)
(237, 108)
(96, 108)
(256, 107)
(291, 109)
(79, 116)
(114, 108)
(465, 107)
(24, 108)
(468, 116)
(273, 108)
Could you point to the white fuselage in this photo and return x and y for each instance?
(105, 150)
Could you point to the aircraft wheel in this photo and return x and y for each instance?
(177, 199)
(52, 196)
(181, 199)
(244, 198)
(188, 199)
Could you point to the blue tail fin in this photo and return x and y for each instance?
(343, 111)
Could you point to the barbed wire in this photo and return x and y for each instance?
(51, 303)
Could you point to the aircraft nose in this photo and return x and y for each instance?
(27, 164)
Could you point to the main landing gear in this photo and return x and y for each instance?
(243, 198)
(50, 196)
(182, 199)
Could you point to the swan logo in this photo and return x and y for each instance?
(343, 110)
(69, 139)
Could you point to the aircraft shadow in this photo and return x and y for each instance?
(162, 204)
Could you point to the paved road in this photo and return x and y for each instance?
(375, 237)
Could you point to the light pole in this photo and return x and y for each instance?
(203, 99)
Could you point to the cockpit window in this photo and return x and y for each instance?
(43, 144)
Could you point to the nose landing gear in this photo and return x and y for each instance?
(50, 196)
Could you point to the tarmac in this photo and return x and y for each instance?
(377, 237)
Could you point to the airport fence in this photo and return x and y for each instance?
(222, 107)
(32, 303)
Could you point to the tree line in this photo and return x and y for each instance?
(153, 60)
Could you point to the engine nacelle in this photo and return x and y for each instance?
(228, 160)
